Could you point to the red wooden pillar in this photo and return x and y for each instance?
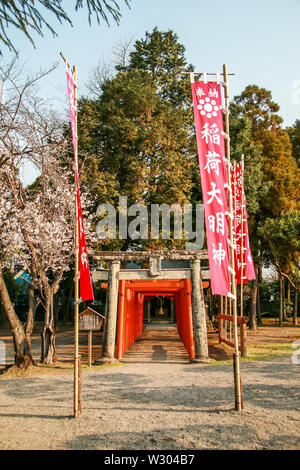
(121, 321)
(189, 319)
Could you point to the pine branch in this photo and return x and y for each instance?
(26, 16)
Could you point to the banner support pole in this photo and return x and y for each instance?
(242, 238)
(76, 287)
(76, 398)
(236, 357)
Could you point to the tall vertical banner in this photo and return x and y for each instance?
(211, 154)
(72, 106)
(244, 267)
(86, 287)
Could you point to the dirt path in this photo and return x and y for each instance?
(155, 401)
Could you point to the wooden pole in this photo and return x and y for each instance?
(243, 336)
(90, 346)
(242, 241)
(238, 400)
(77, 398)
(198, 312)
(77, 388)
(79, 385)
(238, 403)
(295, 308)
(281, 286)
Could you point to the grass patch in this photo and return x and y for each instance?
(268, 351)
(274, 321)
(102, 366)
(263, 352)
(14, 372)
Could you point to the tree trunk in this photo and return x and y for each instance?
(2, 315)
(69, 304)
(295, 309)
(48, 352)
(284, 317)
(288, 310)
(23, 356)
(258, 310)
(259, 320)
(281, 289)
(253, 300)
(55, 308)
(30, 315)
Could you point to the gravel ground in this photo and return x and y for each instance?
(155, 403)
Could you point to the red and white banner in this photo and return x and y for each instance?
(72, 106)
(211, 153)
(244, 267)
(86, 287)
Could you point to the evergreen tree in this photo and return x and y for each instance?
(278, 169)
(294, 133)
(138, 133)
(160, 54)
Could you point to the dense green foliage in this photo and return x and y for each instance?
(273, 188)
(140, 140)
(138, 132)
(294, 133)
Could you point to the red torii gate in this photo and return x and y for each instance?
(127, 289)
(130, 310)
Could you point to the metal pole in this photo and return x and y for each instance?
(238, 402)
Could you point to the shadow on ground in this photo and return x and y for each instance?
(184, 438)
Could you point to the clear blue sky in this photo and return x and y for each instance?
(259, 41)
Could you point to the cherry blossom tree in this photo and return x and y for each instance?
(37, 221)
(37, 231)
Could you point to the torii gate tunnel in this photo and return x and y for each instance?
(129, 289)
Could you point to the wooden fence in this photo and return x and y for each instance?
(225, 326)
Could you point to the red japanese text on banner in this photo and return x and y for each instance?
(211, 154)
(72, 106)
(238, 233)
(243, 261)
(86, 288)
(249, 271)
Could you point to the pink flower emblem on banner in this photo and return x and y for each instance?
(211, 154)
